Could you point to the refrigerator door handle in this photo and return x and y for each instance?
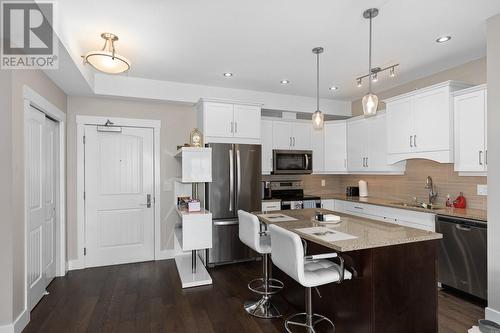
(231, 181)
(307, 161)
(224, 223)
(238, 175)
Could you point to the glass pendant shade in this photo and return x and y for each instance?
(318, 120)
(370, 104)
(107, 60)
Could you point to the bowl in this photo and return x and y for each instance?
(487, 326)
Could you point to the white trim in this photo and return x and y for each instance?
(492, 314)
(32, 98)
(18, 325)
(129, 122)
(455, 85)
(470, 90)
(79, 262)
(227, 101)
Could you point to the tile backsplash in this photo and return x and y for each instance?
(402, 188)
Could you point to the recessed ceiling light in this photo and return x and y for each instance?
(283, 82)
(228, 74)
(333, 88)
(443, 39)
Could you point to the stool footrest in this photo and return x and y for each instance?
(258, 286)
(316, 318)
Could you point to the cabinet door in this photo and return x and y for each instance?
(266, 131)
(317, 143)
(470, 131)
(356, 145)
(301, 136)
(335, 146)
(432, 120)
(376, 143)
(328, 204)
(399, 126)
(486, 130)
(218, 119)
(282, 135)
(247, 121)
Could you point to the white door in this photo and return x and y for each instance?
(432, 119)
(41, 154)
(301, 136)
(118, 182)
(282, 135)
(356, 145)
(470, 120)
(218, 120)
(266, 128)
(247, 121)
(336, 146)
(400, 126)
(318, 149)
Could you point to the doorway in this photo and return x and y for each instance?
(118, 178)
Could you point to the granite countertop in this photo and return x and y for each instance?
(369, 233)
(467, 213)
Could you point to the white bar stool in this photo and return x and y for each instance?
(310, 271)
(251, 235)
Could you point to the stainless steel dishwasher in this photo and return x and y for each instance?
(462, 254)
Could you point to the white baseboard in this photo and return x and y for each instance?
(493, 315)
(166, 254)
(75, 264)
(18, 325)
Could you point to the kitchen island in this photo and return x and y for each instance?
(394, 285)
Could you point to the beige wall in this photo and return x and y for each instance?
(39, 82)
(6, 198)
(473, 72)
(176, 123)
(493, 311)
(402, 188)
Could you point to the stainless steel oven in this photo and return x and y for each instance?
(286, 162)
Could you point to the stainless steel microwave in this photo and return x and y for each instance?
(286, 162)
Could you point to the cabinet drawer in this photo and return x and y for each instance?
(271, 206)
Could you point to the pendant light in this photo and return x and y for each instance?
(317, 117)
(370, 100)
(107, 60)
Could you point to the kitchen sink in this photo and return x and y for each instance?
(417, 205)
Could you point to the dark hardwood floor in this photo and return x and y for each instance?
(147, 297)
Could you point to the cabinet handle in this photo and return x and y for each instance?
(411, 142)
(290, 141)
(232, 128)
(480, 157)
(236, 127)
(361, 208)
(294, 141)
(486, 157)
(367, 162)
(415, 140)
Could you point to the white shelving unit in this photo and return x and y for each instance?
(195, 229)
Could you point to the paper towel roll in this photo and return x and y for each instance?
(363, 188)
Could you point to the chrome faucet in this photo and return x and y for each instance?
(430, 186)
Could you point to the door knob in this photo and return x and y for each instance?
(148, 201)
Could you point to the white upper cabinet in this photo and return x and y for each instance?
(266, 128)
(366, 146)
(318, 149)
(335, 147)
(420, 124)
(292, 135)
(471, 130)
(226, 122)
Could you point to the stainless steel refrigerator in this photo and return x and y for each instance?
(236, 180)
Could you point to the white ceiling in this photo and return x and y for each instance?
(263, 42)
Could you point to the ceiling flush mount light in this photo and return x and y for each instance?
(373, 72)
(227, 74)
(443, 39)
(317, 117)
(333, 88)
(285, 82)
(107, 60)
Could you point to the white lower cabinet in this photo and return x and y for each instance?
(407, 218)
(269, 206)
(328, 204)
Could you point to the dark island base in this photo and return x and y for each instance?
(395, 290)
